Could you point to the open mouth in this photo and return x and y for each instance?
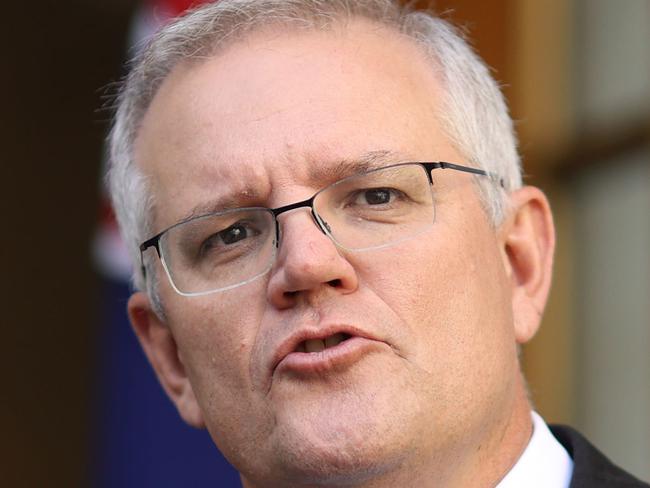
(318, 345)
(323, 352)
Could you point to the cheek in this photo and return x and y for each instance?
(448, 292)
(215, 334)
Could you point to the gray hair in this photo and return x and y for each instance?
(473, 113)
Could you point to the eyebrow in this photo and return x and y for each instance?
(322, 175)
(319, 176)
(222, 204)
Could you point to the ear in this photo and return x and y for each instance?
(528, 244)
(159, 345)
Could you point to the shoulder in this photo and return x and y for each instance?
(590, 467)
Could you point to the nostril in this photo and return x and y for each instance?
(335, 283)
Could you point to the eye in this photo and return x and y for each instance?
(233, 234)
(228, 237)
(375, 196)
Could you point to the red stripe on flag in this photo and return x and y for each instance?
(174, 7)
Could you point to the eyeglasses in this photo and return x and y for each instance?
(370, 210)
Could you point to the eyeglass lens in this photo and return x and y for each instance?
(361, 212)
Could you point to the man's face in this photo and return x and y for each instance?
(431, 365)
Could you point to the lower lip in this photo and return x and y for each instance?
(337, 358)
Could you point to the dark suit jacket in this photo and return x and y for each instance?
(591, 469)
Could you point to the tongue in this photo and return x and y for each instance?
(314, 345)
(317, 345)
(334, 340)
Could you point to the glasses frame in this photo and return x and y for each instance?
(429, 166)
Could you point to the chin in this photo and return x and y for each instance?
(336, 450)
(322, 464)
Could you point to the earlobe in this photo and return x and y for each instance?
(528, 244)
(159, 345)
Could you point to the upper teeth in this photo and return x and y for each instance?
(317, 345)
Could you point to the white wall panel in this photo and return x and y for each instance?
(613, 276)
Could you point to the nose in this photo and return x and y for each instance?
(308, 265)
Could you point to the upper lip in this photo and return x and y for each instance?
(289, 344)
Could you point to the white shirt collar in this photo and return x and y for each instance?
(544, 463)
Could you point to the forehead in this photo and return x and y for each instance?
(268, 113)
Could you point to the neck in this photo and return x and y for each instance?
(484, 461)
(504, 447)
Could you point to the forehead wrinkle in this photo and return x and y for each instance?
(228, 185)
